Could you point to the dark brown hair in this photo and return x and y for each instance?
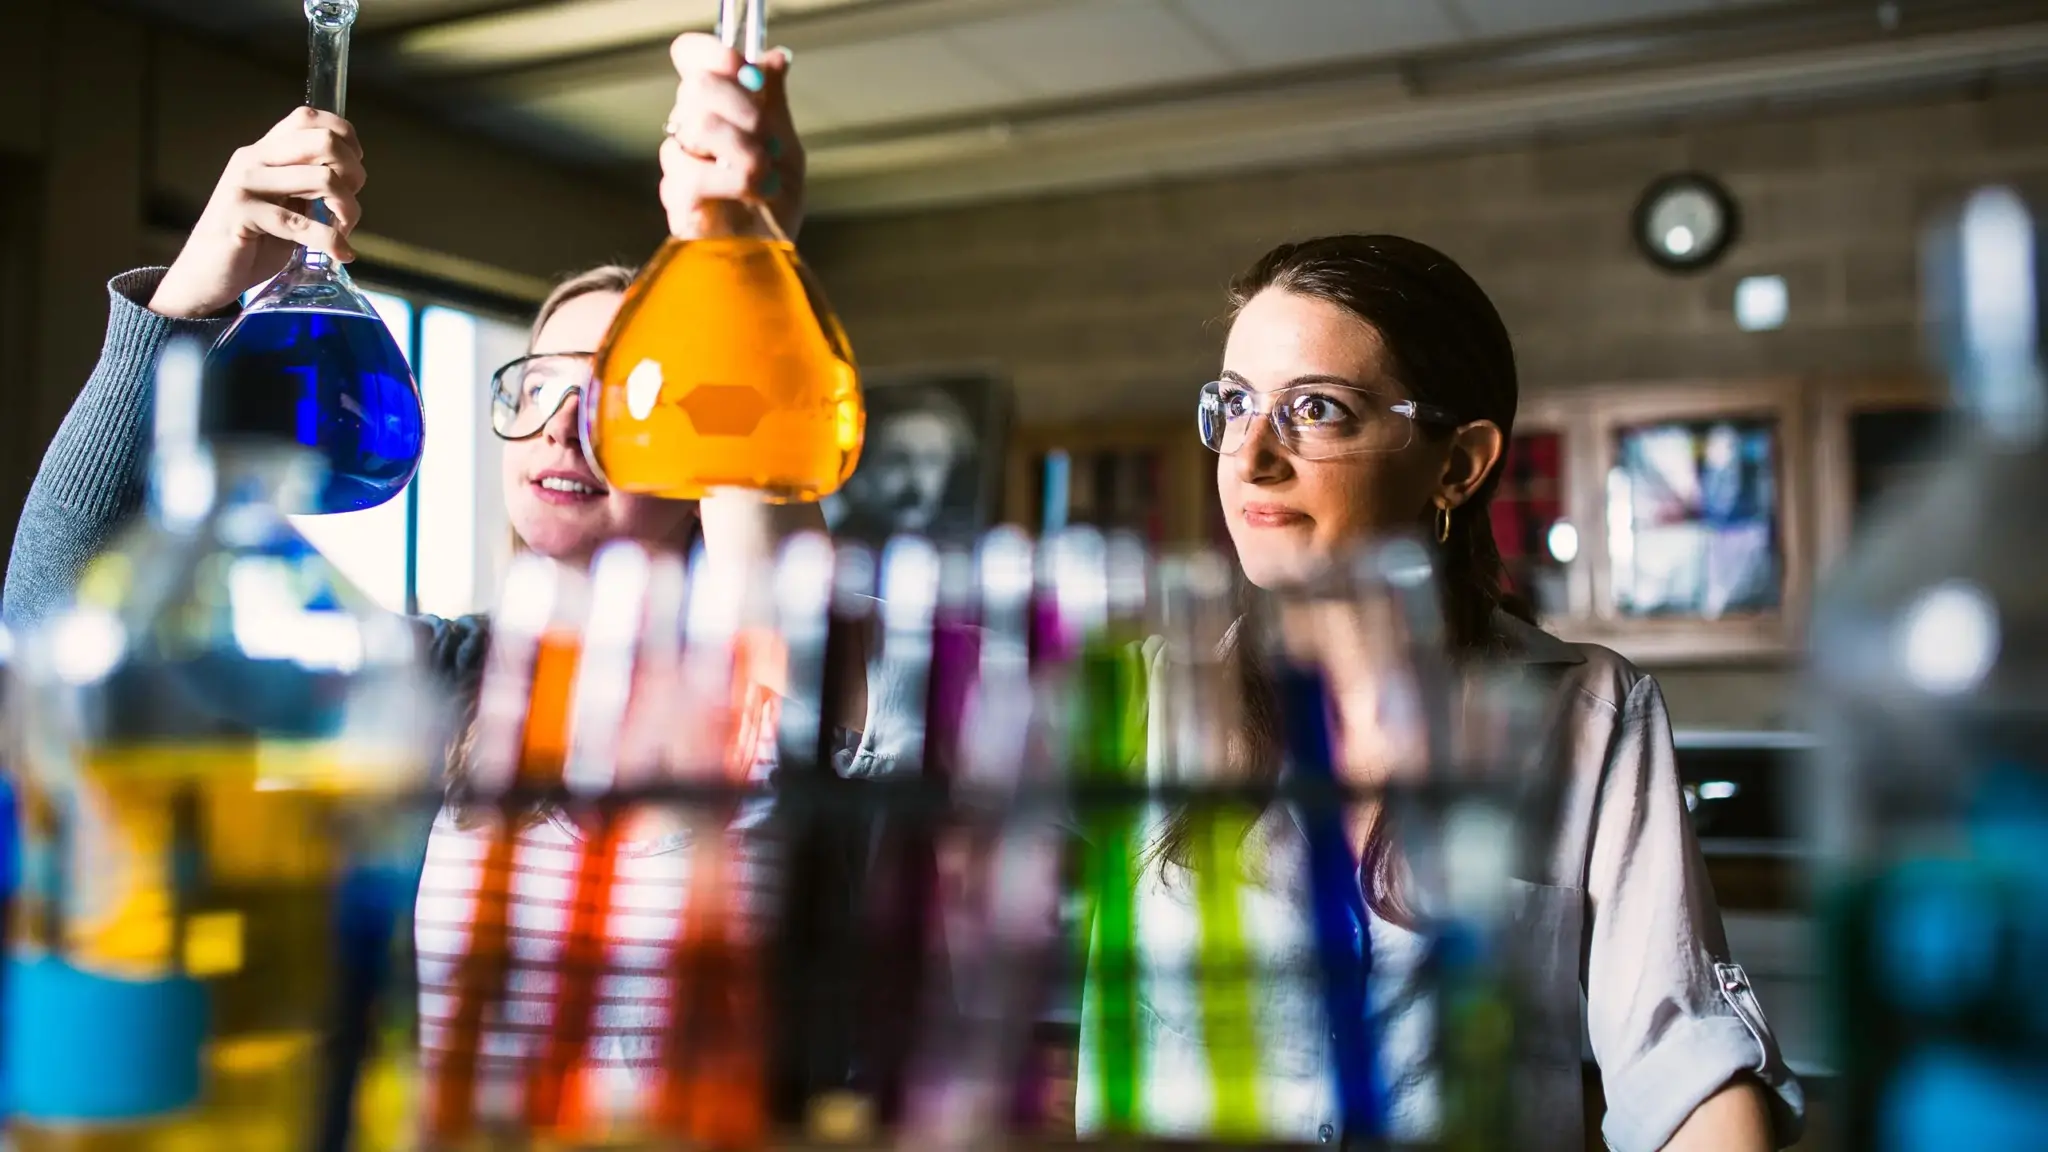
(1446, 345)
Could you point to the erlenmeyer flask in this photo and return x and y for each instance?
(725, 367)
(310, 360)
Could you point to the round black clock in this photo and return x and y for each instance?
(1685, 221)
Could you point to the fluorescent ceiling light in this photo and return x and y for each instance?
(566, 29)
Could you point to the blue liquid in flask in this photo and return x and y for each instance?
(333, 381)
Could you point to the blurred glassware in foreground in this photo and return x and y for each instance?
(309, 361)
(10, 833)
(1418, 964)
(213, 735)
(726, 367)
(1930, 662)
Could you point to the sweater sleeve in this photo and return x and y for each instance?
(91, 477)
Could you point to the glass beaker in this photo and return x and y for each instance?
(725, 367)
(309, 360)
(202, 729)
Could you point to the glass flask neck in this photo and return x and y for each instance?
(312, 280)
(328, 23)
(736, 220)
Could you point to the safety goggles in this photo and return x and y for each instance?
(527, 393)
(1314, 421)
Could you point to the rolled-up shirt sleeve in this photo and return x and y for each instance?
(1671, 1018)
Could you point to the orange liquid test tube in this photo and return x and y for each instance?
(521, 740)
(622, 687)
(712, 1089)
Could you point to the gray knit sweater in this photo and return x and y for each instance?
(92, 480)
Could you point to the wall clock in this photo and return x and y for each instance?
(1685, 221)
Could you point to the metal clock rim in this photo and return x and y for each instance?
(1664, 185)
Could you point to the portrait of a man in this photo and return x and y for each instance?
(932, 463)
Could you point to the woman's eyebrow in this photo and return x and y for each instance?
(1313, 378)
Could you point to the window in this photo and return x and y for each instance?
(441, 545)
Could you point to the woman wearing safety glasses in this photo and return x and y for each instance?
(1368, 388)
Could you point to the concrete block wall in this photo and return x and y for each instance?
(1102, 305)
(1107, 305)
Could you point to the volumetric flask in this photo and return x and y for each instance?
(725, 367)
(310, 361)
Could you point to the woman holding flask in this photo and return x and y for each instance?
(90, 478)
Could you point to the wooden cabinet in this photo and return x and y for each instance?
(1870, 437)
(1698, 516)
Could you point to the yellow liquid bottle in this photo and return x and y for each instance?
(188, 793)
(197, 897)
(726, 368)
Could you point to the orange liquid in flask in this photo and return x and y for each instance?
(727, 369)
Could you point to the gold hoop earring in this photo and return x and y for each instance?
(1443, 523)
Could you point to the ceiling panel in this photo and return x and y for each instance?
(905, 78)
(626, 115)
(1491, 18)
(567, 27)
(1275, 33)
(389, 13)
(554, 29)
(1081, 51)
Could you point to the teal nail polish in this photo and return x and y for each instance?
(770, 184)
(774, 147)
(751, 78)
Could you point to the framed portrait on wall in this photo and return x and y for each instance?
(933, 460)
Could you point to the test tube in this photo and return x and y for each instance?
(820, 849)
(713, 1055)
(1101, 587)
(998, 916)
(1314, 625)
(516, 761)
(901, 866)
(635, 598)
(1203, 701)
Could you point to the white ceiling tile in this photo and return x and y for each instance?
(905, 78)
(1525, 17)
(551, 29)
(627, 114)
(1276, 33)
(1105, 47)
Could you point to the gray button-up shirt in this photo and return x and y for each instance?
(1626, 952)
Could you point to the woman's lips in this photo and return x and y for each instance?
(1272, 516)
(566, 488)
